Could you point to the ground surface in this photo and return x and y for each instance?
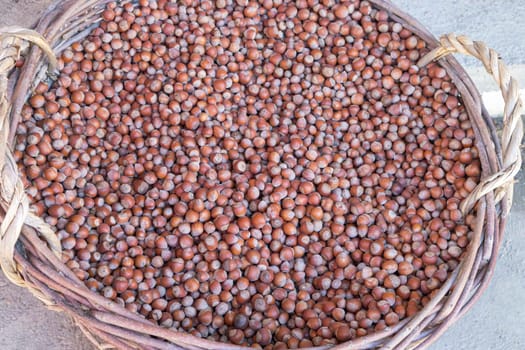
(495, 322)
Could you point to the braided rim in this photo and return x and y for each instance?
(502, 181)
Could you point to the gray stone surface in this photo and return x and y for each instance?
(25, 324)
(22, 12)
(495, 322)
(498, 23)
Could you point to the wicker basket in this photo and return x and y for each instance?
(30, 250)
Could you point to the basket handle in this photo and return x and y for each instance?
(14, 204)
(502, 181)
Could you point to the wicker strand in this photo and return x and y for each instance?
(13, 200)
(502, 182)
(25, 36)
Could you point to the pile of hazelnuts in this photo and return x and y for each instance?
(270, 173)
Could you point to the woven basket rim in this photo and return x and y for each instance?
(35, 263)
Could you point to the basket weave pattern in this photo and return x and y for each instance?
(30, 250)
